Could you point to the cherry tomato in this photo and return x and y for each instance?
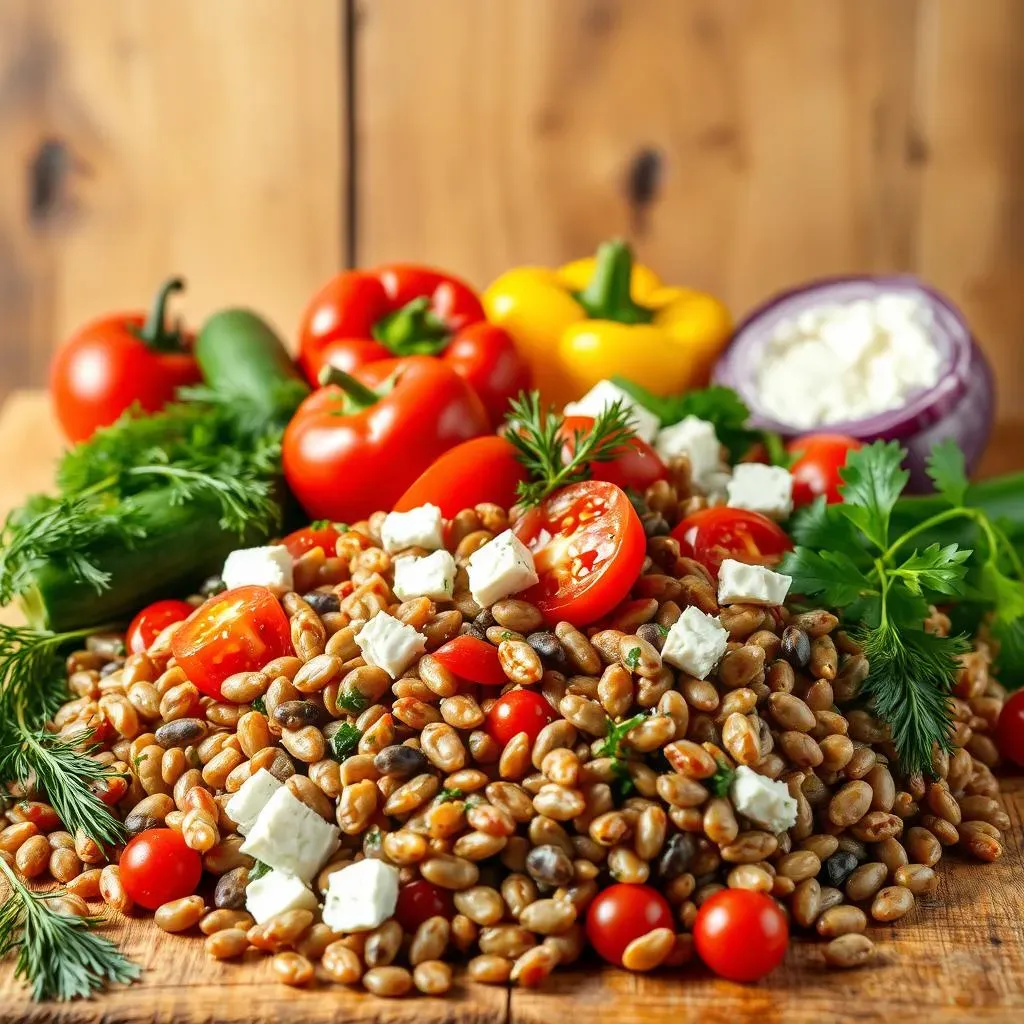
(482, 470)
(588, 545)
(152, 621)
(157, 867)
(715, 534)
(1010, 729)
(816, 470)
(622, 913)
(321, 534)
(518, 711)
(474, 659)
(420, 900)
(636, 466)
(237, 631)
(740, 934)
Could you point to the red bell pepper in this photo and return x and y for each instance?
(359, 317)
(354, 446)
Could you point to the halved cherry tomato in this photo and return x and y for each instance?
(622, 913)
(421, 900)
(473, 659)
(157, 867)
(1010, 729)
(588, 545)
(636, 466)
(518, 711)
(715, 534)
(237, 631)
(321, 534)
(741, 934)
(816, 470)
(152, 621)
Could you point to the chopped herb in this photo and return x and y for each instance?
(259, 704)
(353, 701)
(611, 745)
(633, 659)
(138, 759)
(258, 870)
(722, 780)
(345, 741)
(373, 839)
(508, 635)
(447, 795)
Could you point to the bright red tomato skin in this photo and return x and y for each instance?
(1010, 729)
(713, 534)
(153, 620)
(740, 934)
(316, 535)
(239, 630)
(472, 659)
(816, 470)
(420, 900)
(157, 867)
(622, 913)
(636, 467)
(588, 545)
(485, 355)
(518, 711)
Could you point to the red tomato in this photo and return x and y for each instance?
(588, 545)
(473, 659)
(741, 934)
(518, 711)
(152, 621)
(482, 470)
(420, 900)
(637, 465)
(237, 631)
(321, 534)
(157, 867)
(715, 534)
(1010, 729)
(622, 913)
(816, 470)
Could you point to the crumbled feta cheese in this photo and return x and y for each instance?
(290, 836)
(501, 567)
(605, 394)
(274, 893)
(390, 644)
(760, 488)
(696, 439)
(361, 897)
(269, 567)
(739, 582)
(695, 643)
(418, 528)
(432, 576)
(764, 801)
(254, 794)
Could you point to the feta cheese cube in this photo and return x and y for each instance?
(695, 643)
(418, 528)
(291, 837)
(361, 897)
(269, 567)
(390, 644)
(501, 567)
(254, 794)
(764, 801)
(764, 489)
(605, 394)
(274, 893)
(696, 439)
(751, 584)
(432, 576)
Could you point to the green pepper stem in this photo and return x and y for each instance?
(413, 329)
(358, 393)
(154, 333)
(608, 295)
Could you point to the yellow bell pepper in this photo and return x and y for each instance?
(601, 317)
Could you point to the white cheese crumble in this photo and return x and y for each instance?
(764, 801)
(696, 439)
(501, 567)
(253, 795)
(695, 643)
(361, 897)
(848, 361)
(418, 528)
(603, 395)
(390, 644)
(269, 567)
(760, 488)
(432, 576)
(274, 893)
(739, 582)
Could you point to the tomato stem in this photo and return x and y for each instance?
(154, 333)
(608, 296)
(358, 393)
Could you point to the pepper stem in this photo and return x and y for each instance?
(412, 329)
(607, 296)
(154, 333)
(358, 393)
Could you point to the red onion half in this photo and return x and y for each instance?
(960, 406)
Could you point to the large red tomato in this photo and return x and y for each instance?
(715, 534)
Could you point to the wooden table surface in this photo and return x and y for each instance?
(958, 958)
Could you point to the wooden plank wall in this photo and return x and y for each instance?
(742, 144)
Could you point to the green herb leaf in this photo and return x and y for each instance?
(611, 745)
(447, 795)
(345, 741)
(936, 568)
(259, 704)
(872, 481)
(822, 526)
(948, 470)
(831, 575)
(721, 782)
(353, 701)
(633, 659)
(258, 870)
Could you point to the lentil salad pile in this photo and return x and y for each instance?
(626, 780)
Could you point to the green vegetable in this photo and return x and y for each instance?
(258, 704)
(345, 741)
(633, 659)
(721, 782)
(447, 795)
(611, 746)
(353, 701)
(258, 870)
